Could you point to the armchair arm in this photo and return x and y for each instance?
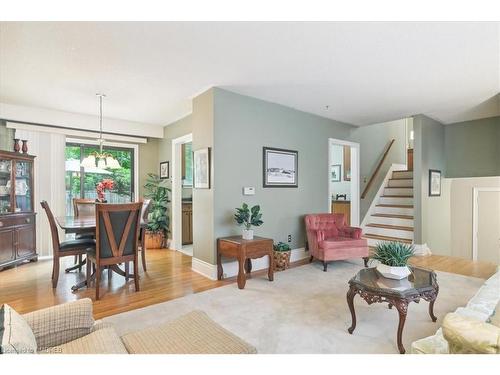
(468, 335)
(352, 232)
(62, 323)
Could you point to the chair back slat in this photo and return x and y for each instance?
(83, 207)
(117, 227)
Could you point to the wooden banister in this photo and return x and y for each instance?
(379, 165)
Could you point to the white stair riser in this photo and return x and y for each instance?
(401, 174)
(391, 221)
(394, 210)
(389, 232)
(373, 242)
(396, 200)
(398, 191)
(400, 183)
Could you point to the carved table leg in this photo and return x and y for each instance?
(219, 266)
(402, 307)
(270, 270)
(431, 310)
(350, 301)
(241, 273)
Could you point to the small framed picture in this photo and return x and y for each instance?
(201, 173)
(434, 183)
(280, 167)
(164, 170)
(335, 173)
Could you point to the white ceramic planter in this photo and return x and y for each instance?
(396, 273)
(247, 234)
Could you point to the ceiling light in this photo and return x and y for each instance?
(104, 160)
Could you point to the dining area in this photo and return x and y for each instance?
(100, 238)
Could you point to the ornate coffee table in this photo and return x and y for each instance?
(373, 287)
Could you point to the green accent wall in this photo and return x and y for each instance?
(473, 148)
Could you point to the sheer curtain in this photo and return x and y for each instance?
(49, 181)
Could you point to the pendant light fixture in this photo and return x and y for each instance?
(100, 159)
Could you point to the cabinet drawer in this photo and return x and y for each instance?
(6, 222)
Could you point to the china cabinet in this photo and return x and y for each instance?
(17, 214)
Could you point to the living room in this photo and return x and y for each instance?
(223, 193)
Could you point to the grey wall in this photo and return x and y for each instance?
(148, 162)
(243, 125)
(428, 154)
(473, 148)
(373, 141)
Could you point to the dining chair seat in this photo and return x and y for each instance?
(83, 243)
(80, 236)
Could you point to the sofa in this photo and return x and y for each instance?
(329, 238)
(469, 329)
(70, 329)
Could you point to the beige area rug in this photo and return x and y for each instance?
(305, 311)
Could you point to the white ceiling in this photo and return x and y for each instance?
(365, 72)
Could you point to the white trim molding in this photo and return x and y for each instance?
(231, 268)
(475, 216)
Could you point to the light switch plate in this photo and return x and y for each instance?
(247, 190)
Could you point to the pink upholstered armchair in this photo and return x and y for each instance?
(330, 239)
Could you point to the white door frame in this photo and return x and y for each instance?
(355, 177)
(475, 215)
(177, 189)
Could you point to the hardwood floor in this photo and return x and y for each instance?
(27, 288)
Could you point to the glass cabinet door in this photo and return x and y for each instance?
(5, 188)
(23, 188)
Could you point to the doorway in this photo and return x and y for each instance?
(486, 225)
(182, 193)
(343, 179)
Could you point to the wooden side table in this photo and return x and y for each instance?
(244, 251)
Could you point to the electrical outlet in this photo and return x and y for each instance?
(289, 238)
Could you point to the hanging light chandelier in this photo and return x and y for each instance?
(100, 159)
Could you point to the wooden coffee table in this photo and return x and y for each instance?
(373, 287)
(244, 251)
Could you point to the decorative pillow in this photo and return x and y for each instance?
(495, 317)
(16, 336)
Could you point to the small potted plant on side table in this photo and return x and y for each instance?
(393, 258)
(281, 256)
(248, 217)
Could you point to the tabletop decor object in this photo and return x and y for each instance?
(101, 188)
(282, 254)
(393, 258)
(248, 217)
(158, 219)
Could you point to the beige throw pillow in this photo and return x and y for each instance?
(495, 317)
(16, 336)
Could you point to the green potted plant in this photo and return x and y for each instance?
(282, 253)
(393, 259)
(248, 217)
(158, 219)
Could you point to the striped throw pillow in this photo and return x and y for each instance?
(16, 336)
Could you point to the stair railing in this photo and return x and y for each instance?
(377, 169)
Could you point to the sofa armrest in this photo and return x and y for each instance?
(468, 335)
(352, 232)
(62, 323)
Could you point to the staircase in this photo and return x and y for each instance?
(392, 217)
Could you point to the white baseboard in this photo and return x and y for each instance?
(230, 268)
(422, 249)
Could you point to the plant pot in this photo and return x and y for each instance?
(396, 273)
(154, 240)
(281, 260)
(247, 234)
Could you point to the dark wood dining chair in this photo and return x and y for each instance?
(146, 203)
(117, 233)
(66, 248)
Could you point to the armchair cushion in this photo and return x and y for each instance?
(351, 232)
(60, 324)
(466, 335)
(16, 336)
(342, 243)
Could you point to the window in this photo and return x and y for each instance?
(81, 183)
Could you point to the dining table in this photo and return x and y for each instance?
(84, 225)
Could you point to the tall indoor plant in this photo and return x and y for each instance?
(393, 259)
(248, 217)
(158, 218)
